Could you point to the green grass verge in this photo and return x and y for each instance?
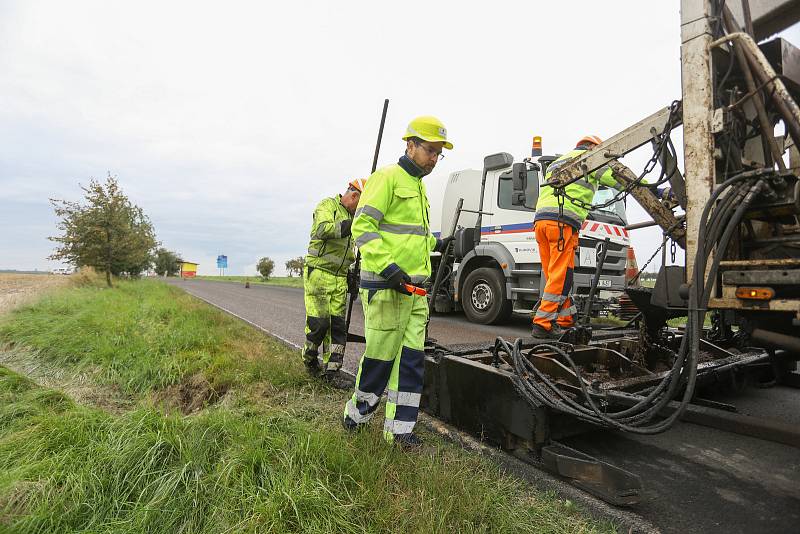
(269, 456)
(287, 281)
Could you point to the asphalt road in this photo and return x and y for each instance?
(696, 479)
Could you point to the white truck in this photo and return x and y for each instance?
(495, 269)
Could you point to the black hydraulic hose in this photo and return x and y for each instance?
(719, 219)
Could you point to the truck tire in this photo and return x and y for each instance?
(484, 296)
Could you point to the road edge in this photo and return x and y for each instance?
(541, 480)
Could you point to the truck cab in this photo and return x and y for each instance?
(496, 268)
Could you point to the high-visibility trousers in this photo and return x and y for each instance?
(393, 360)
(558, 267)
(325, 297)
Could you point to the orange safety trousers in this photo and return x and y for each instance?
(558, 267)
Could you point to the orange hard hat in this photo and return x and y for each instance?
(589, 139)
(358, 184)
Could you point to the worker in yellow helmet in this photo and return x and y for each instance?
(392, 232)
(330, 255)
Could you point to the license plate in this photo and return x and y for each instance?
(604, 282)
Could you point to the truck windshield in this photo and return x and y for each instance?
(603, 195)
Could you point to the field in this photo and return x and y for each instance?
(201, 424)
(288, 281)
(17, 289)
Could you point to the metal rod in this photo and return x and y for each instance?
(771, 151)
(776, 339)
(357, 264)
(648, 224)
(786, 105)
(437, 281)
(601, 259)
(380, 135)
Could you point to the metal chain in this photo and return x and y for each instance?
(672, 250)
(663, 139)
(635, 278)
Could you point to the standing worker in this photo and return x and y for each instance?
(556, 232)
(330, 254)
(392, 231)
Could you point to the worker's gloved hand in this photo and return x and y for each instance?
(352, 281)
(442, 243)
(397, 280)
(666, 196)
(346, 227)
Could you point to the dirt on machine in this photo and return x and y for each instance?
(735, 212)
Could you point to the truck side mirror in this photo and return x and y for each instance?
(519, 181)
(501, 160)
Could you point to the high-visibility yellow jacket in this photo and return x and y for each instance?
(391, 226)
(328, 249)
(583, 189)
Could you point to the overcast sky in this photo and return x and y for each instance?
(228, 121)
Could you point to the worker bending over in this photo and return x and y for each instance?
(330, 254)
(392, 232)
(557, 235)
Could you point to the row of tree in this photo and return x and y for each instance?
(114, 236)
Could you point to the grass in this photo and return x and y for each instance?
(268, 455)
(288, 281)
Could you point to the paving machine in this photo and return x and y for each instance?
(739, 195)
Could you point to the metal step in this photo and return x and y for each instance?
(526, 272)
(529, 291)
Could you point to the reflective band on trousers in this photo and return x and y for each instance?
(369, 398)
(375, 213)
(366, 237)
(569, 312)
(403, 229)
(404, 398)
(546, 315)
(398, 427)
(551, 297)
(355, 415)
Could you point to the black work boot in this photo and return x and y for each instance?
(408, 442)
(351, 426)
(312, 367)
(539, 332)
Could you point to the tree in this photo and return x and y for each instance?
(108, 232)
(295, 265)
(166, 262)
(265, 266)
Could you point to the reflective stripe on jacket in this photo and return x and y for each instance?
(391, 226)
(328, 250)
(582, 189)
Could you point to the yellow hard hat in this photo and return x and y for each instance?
(358, 184)
(428, 129)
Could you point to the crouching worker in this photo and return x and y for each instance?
(330, 254)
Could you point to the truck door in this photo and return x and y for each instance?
(512, 224)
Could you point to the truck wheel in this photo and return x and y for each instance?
(484, 296)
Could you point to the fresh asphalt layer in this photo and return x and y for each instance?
(696, 479)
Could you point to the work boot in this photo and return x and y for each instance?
(351, 426)
(312, 367)
(408, 442)
(539, 332)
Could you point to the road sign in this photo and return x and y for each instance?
(222, 262)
